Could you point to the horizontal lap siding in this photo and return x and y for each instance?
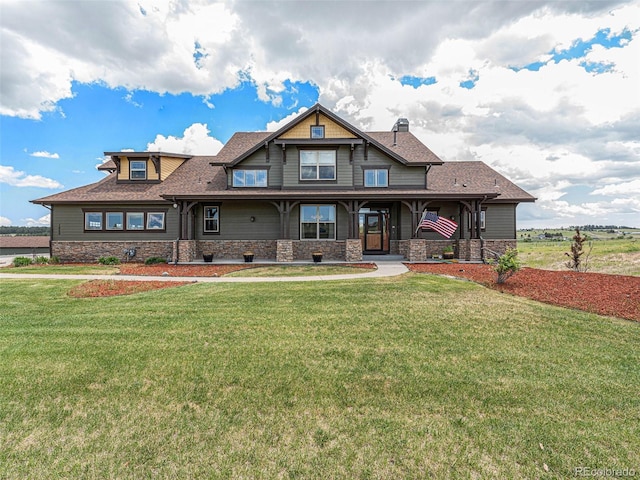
(501, 221)
(291, 171)
(236, 224)
(399, 175)
(68, 223)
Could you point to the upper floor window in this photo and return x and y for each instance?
(138, 170)
(317, 131)
(377, 177)
(211, 219)
(249, 178)
(317, 164)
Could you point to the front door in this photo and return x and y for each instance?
(373, 232)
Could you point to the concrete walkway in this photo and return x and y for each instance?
(385, 269)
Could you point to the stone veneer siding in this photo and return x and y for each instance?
(353, 250)
(234, 249)
(91, 251)
(284, 251)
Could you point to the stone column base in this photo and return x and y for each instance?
(417, 251)
(186, 251)
(284, 250)
(353, 250)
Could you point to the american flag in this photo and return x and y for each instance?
(443, 226)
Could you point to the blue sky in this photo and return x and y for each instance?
(547, 93)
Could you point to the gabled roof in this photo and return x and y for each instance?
(407, 149)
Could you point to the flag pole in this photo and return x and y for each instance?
(420, 223)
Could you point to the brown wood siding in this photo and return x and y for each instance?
(68, 223)
(331, 129)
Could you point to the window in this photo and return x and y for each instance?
(211, 217)
(317, 131)
(317, 222)
(378, 177)
(155, 221)
(93, 221)
(115, 221)
(249, 178)
(135, 221)
(483, 215)
(317, 165)
(138, 170)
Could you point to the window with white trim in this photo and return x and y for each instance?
(483, 216)
(135, 221)
(317, 164)
(211, 219)
(155, 221)
(250, 178)
(317, 222)
(376, 177)
(93, 221)
(138, 170)
(317, 131)
(115, 221)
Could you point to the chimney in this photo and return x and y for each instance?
(402, 125)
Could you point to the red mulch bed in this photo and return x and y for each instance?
(614, 295)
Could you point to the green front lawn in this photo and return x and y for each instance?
(298, 271)
(409, 377)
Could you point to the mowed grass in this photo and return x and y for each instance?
(411, 377)
(73, 269)
(299, 271)
(619, 256)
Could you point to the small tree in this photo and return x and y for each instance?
(507, 264)
(576, 261)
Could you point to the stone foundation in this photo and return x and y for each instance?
(234, 249)
(91, 251)
(302, 249)
(186, 251)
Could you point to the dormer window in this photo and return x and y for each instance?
(317, 131)
(138, 170)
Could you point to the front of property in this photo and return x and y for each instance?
(317, 184)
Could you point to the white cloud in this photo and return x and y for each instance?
(44, 154)
(5, 222)
(194, 141)
(43, 221)
(276, 125)
(549, 130)
(17, 178)
(620, 189)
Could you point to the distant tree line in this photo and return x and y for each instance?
(25, 231)
(591, 228)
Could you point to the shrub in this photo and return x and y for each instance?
(54, 260)
(42, 260)
(507, 264)
(154, 260)
(576, 262)
(21, 261)
(109, 261)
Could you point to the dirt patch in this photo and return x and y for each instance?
(181, 270)
(111, 288)
(604, 294)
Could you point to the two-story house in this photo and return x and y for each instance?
(318, 183)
